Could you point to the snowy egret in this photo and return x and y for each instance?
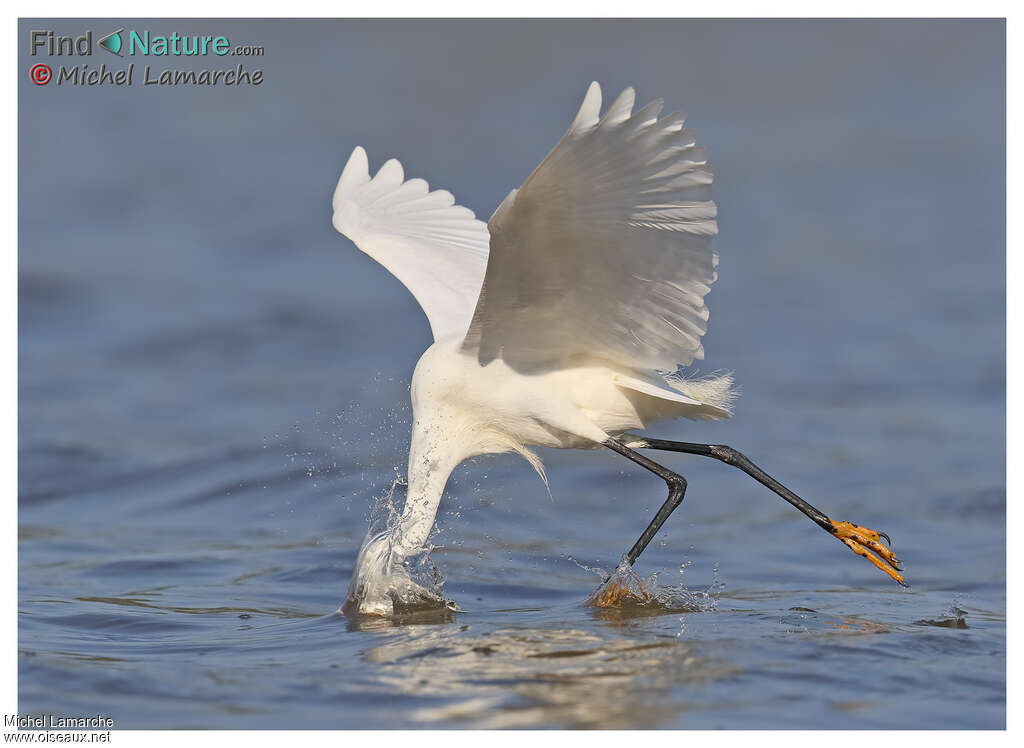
(565, 321)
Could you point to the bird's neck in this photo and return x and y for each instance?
(430, 464)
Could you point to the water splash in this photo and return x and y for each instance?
(384, 513)
(954, 617)
(384, 586)
(626, 590)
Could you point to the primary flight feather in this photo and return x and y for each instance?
(606, 248)
(436, 248)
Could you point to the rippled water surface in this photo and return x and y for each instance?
(213, 390)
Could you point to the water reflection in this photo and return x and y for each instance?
(435, 616)
(528, 677)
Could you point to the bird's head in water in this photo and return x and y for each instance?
(382, 584)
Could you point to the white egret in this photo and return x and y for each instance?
(562, 322)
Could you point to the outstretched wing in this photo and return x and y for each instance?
(437, 249)
(605, 249)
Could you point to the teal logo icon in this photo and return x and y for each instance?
(112, 42)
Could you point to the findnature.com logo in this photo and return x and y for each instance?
(133, 43)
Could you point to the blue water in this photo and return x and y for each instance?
(213, 388)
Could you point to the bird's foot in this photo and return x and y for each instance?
(615, 594)
(622, 588)
(863, 541)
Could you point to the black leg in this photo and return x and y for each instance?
(859, 539)
(730, 456)
(676, 490)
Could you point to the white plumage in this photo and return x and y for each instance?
(605, 249)
(560, 323)
(436, 248)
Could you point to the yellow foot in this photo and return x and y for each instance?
(863, 541)
(614, 594)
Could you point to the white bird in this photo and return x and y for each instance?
(562, 322)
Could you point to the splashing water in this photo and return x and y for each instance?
(383, 586)
(625, 589)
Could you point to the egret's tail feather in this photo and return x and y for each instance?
(716, 392)
(675, 395)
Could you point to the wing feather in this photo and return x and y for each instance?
(605, 249)
(437, 249)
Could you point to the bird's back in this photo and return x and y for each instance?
(497, 408)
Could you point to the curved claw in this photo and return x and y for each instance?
(888, 542)
(862, 541)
